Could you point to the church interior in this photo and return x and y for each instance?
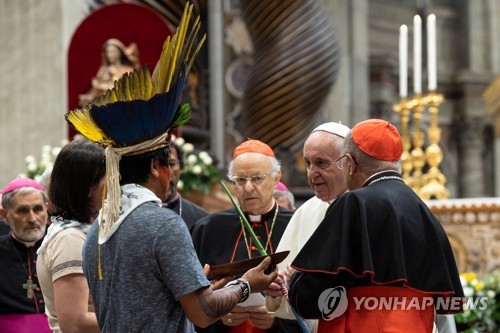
(274, 70)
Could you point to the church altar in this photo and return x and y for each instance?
(473, 227)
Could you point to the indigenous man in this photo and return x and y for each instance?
(138, 257)
(189, 211)
(25, 212)
(378, 241)
(221, 237)
(321, 149)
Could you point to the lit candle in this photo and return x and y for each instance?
(403, 61)
(417, 54)
(431, 52)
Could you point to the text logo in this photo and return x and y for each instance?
(332, 302)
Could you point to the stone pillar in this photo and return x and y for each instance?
(493, 103)
(34, 36)
(470, 140)
(216, 86)
(471, 81)
(492, 100)
(349, 99)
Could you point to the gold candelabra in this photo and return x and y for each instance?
(434, 180)
(417, 153)
(404, 108)
(431, 184)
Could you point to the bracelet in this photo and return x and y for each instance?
(245, 288)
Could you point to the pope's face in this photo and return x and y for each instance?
(320, 153)
(27, 216)
(255, 196)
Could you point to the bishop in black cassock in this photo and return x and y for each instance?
(221, 237)
(17, 261)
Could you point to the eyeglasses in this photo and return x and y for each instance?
(241, 181)
(337, 162)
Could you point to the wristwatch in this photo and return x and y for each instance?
(245, 288)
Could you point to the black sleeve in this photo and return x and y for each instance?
(286, 326)
(305, 289)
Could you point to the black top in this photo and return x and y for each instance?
(4, 228)
(218, 239)
(16, 261)
(382, 233)
(189, 211)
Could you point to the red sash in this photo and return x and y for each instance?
(404, 318)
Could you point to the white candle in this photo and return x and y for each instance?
(403, 61)
(417, 54)
(431, 52)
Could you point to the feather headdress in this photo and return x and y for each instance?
(141, 110)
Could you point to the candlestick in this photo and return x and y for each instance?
(431, 52)
(403, 61)
(417, 55)
(434, 180)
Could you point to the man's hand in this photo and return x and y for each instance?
(257, 278)
(274, 289)
(257, 315)
(236, 317)
(260, 318)
(217, 284)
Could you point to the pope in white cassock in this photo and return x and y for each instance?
(321, 150)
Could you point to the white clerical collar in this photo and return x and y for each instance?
(255, 218)
(258, 218)
(27, 244)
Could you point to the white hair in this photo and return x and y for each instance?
(275, 167)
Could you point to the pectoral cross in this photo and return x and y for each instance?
(29, 286)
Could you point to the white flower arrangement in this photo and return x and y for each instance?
(199, 172)
(34, 168)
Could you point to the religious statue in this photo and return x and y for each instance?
(117, 59)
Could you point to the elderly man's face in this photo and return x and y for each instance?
(27, 216)
(323, 176)
(255, 198)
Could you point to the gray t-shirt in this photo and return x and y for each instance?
(147, 265)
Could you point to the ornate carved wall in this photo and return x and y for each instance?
(473, 227)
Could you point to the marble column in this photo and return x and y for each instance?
(470, 172)
(472, 80)
(34, 36)
(492, 100)
(349, 99)
(216, 86)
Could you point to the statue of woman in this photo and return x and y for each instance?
(117, 59)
